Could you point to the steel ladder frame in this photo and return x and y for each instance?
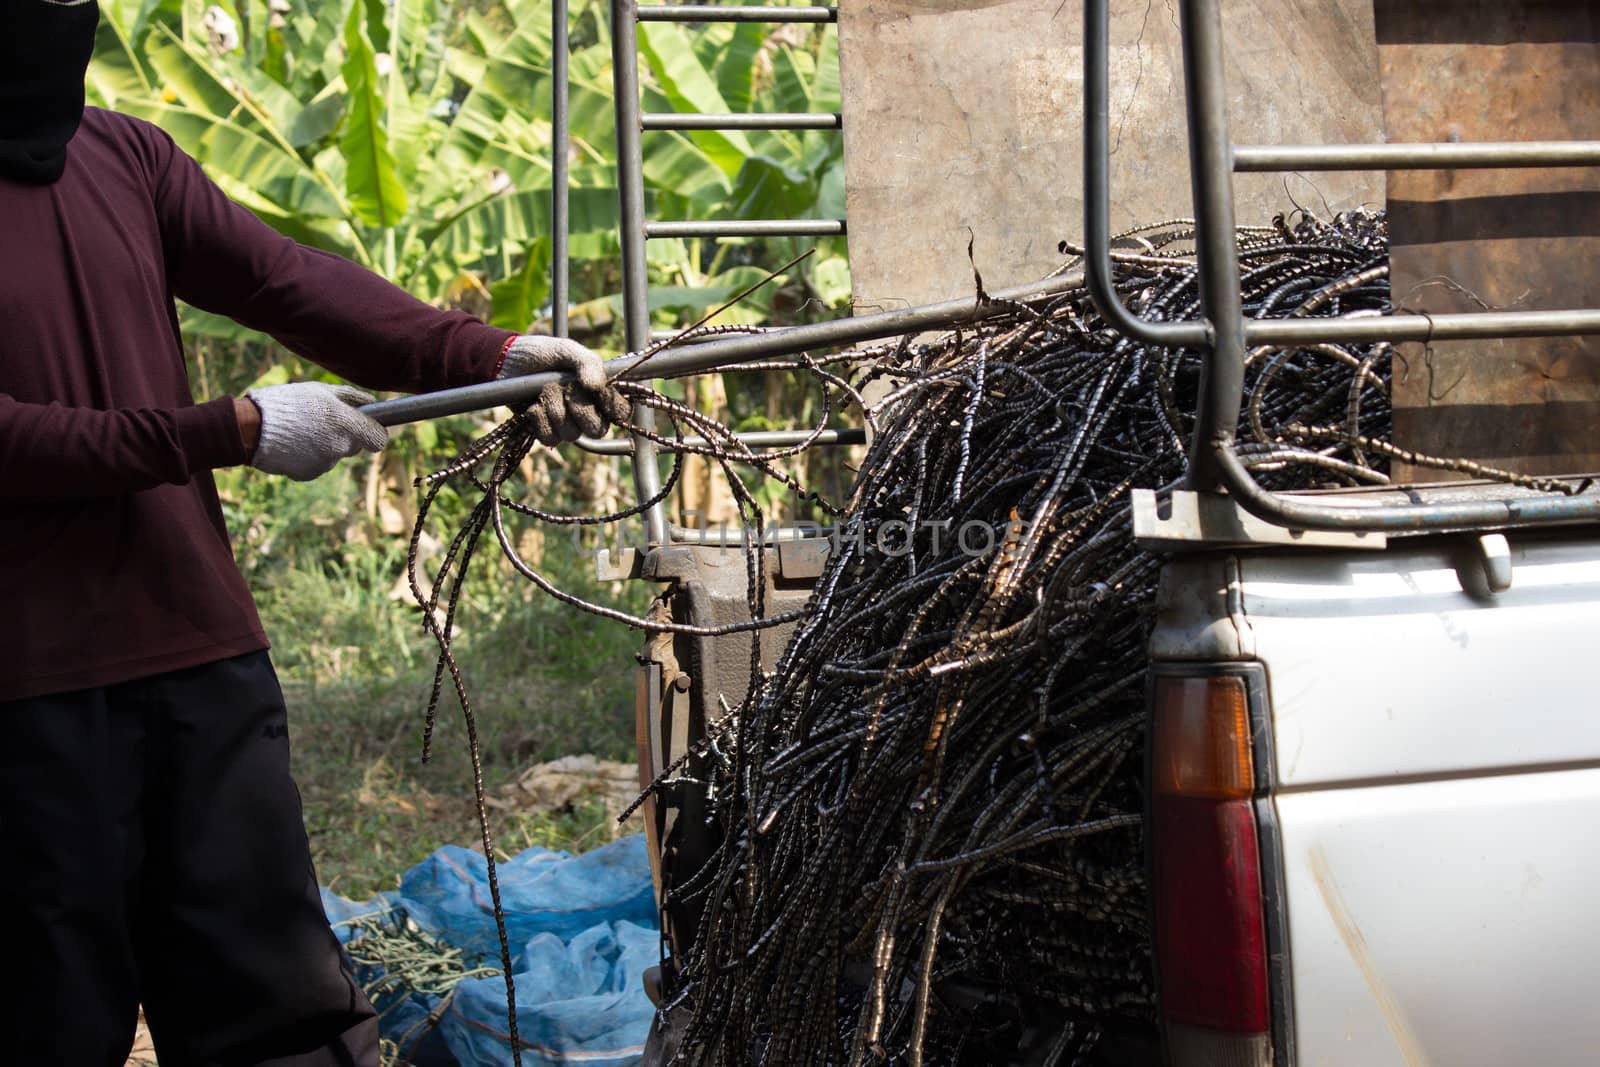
(637, 231)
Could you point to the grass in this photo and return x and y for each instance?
(545, 681)
(373, 809)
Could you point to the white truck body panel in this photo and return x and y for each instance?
(1445, 922)
(1381, 665)
(1437, 790)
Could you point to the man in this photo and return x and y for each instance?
(151, 837)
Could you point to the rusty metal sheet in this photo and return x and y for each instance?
(967, 115)
(1495, 70)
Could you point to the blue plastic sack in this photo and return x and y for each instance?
(580, 1001)
(582, 930)
(542, 892)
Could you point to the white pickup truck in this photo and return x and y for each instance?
(1375, 788)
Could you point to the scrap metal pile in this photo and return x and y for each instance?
(929, 812)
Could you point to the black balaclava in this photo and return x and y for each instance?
(45, 47)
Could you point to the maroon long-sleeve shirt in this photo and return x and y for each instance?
(113, 553)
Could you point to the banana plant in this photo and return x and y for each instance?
(357, 127)
(336, 123)
(745, 67)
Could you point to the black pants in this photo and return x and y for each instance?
(152, 851)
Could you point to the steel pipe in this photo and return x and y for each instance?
(747, 228)
(1482, 155)
(1471, 326)
(1298, 514)
(724, 352)
(746, 120)
(635, 270)
(1216, 238)
(1097, 196)
(620, 446)
(710, 13)
(560, 186)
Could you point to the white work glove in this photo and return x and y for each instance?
(307, 427)
(565, 411)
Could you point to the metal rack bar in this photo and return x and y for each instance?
(1097, 196)
(621, 446)
(1299, 515)
(726, 352)
(1216, 243)
(560, 186)
(1254, 159)
(635, 271)
(747, 228)
(1471, 326)
(707, 13)
(742, 120)
(626, 15)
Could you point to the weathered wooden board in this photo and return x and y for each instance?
(1495, 70)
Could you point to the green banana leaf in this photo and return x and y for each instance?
(117, 71)
(515, 303)
(736, 65)
(229, 149)
(372, 180)
(689, 87)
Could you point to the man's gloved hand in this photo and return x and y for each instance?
(307, 427)
(565, 412)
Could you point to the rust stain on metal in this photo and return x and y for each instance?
(1355, 942)
(1472, 240)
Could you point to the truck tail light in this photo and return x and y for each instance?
(1206, 885)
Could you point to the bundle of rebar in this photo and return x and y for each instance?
(930, 812)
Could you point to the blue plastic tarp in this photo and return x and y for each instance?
(582, 930)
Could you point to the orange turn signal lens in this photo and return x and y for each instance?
(1200, 746)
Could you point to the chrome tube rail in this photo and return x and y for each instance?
(635, 271)
(746, 228)
(752, 120)
(1224, 333)
(1255, 158)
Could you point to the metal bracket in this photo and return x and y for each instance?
(658, 564)
(800, 559)
(1185, 520)
(619, 567)
(670, 562)
(1496, 561)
